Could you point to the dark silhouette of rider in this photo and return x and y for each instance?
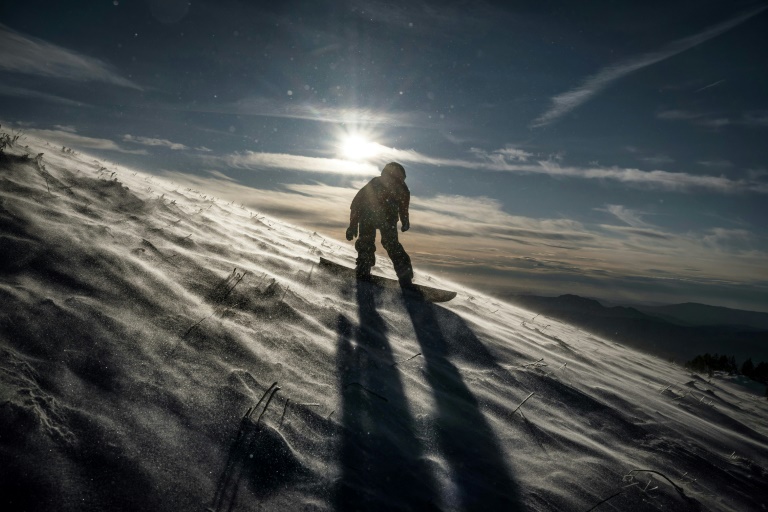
(379, 205)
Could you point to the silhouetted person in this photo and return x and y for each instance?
(378, 205)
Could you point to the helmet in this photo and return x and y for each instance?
(394, 170)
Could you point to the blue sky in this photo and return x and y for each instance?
(608, 149)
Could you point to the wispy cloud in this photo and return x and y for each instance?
(257, 161)
(715, 123)
(147, 141)
(658, 179)
(313, 111)
(679, 115)
(730, 240)
(657, 159)
(18, 92)
(713, 84)
(25, 54)
(629, 216)
(68, 137)
(567, 101)
(506, 153)
(757, 174)
(494, 161)
(718, 164)
(710, 120)
(664, 180)
(713, 120)
(641, 232)
(755, 118)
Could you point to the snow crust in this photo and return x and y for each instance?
(146, 327)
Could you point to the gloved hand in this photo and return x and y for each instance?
(406, 226)
(351, 232)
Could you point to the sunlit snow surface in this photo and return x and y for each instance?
(142, 320)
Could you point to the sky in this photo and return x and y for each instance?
(608, 149)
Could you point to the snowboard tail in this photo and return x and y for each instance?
(427, 293)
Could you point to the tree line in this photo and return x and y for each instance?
(708, 363)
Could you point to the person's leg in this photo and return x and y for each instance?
(400, 259)
(366, 249)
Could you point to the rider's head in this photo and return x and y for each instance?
(394, 170)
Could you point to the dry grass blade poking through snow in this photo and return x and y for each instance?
(243, 454)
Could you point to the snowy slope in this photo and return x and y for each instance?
(143, 325)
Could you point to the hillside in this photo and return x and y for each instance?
(659, 332)
(164, 350)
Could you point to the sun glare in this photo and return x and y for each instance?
(356, 147)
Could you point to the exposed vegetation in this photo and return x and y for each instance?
(709, 364)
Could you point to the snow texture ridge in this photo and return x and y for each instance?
(161, 349)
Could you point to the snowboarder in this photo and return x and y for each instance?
(378, 205)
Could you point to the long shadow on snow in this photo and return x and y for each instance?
(382, 461)
(478, 469)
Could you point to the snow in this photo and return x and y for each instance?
(161, 349)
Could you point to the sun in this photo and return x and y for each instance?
(357, 147)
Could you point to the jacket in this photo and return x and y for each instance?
(382, 201)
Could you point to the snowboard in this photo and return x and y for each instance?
(417, 291)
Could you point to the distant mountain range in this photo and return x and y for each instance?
(678, 332)
(692, 313)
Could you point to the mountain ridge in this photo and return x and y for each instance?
(661, 334)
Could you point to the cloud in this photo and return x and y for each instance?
(713, 84)
(753, 118)
(270, 107)
(678, 115)
(18, 92)
(653, 234)
(257, 161)
(567, 101)
(494, 161)
(631, 217)
(706, 119)
(500, 155)
(69, 138)
(729, 239)
(720, 164)
(146, 141)
(757, 174)
(515, 154)
(715, 123)
(657, 159)
(30, 55)
(657, 179)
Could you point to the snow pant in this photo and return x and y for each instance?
(366, 249)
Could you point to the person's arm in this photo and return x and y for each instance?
(405, 201)
(354, 217)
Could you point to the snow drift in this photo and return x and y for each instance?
(161, 349)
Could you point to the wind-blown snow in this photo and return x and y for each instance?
(143, 325)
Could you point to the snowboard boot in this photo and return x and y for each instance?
(406, 280)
